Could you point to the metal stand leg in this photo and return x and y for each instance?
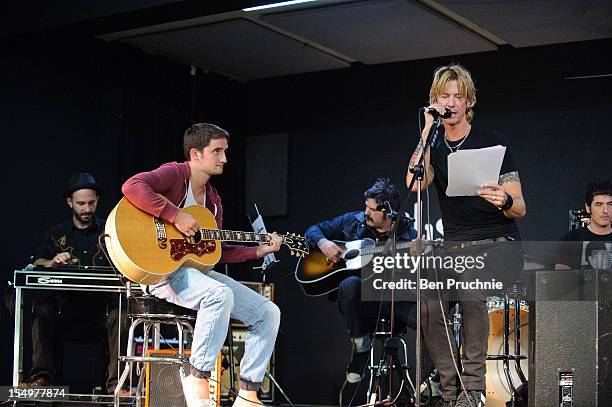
(381, 375)
(17, 344)
(128, 365)
(456, 323)
(516, 290)
(517, 340)
(375, 390)
(273, 380)
(506, 358)
(231, 394)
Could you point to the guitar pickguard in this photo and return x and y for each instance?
(180, 248)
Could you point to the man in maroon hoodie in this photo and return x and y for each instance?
(216, 296)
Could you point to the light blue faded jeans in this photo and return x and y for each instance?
(218, 297)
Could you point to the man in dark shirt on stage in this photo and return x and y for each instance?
(598, 203)
(73, 242)
(485, 222)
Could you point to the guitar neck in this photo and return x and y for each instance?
(236, 236)
(380, 249)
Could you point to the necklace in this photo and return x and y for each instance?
(456, 148)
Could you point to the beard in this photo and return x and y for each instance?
(85, 218)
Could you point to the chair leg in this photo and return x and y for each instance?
(139, 387)
(127, 370)
(148, 324)
(141, 367)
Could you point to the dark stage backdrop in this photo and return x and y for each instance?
(87, 106)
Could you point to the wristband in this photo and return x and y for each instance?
(508, 204)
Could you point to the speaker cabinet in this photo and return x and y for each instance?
(570, 339)
(163, 386)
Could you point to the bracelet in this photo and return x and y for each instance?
(508, 204)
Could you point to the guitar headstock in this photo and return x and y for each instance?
(298, 246)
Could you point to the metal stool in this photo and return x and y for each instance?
(151, 313)
(389, 362)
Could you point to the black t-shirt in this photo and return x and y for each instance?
(471, 217)
(82, 244)
(576, 255)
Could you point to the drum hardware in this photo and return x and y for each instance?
(511, 299)
(495, 305)
(456, 323)
(578, 218)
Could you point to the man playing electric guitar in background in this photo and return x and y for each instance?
(216, 296)
(374, 223)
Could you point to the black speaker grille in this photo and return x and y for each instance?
(164, 383)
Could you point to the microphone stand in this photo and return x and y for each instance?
(417, 175)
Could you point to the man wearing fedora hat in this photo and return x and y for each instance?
(73, 242)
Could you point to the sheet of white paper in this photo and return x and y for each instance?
(469, 169)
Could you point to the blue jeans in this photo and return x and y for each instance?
(218, 297)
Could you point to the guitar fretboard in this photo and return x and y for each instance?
(234, 236)
(380, 249)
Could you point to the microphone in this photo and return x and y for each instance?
(447, 112)
(384, 207)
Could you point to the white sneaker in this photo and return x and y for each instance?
(188, 384)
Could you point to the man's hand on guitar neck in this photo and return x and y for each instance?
(186, 224)
(330, 249)
(272, 246)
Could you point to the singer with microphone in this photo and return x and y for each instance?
(374, 222)
(479, 222)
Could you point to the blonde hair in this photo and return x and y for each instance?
(454, 72)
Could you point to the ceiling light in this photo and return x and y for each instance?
(279, 4)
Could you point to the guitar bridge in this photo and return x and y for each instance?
(179, 248)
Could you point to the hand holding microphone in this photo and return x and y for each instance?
(435, 113)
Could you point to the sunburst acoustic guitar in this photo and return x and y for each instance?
(146, 249)
(318, 275)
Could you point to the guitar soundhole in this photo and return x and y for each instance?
(351, 254)
(197, 237)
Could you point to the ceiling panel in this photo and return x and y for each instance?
(330, 35)
(524, 23)
(239, 48)
(381, 31)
